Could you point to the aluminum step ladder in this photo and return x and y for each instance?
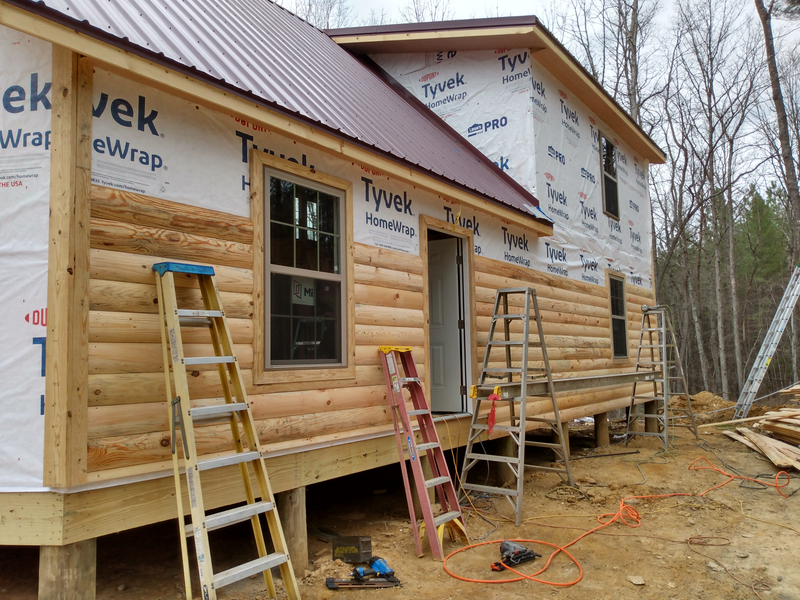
(394, 359)
(513, 341)
(768, 346)
(246, 450)
(658, 354)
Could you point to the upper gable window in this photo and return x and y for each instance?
(608, 160)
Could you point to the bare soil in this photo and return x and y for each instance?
(716, 546)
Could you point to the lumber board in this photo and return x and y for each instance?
(372, 256)
(390, 278)
(137, 209)
(777, 458)
(135, 268)
(31, 518)
(178, 245)
(377, 335)
(390, 298)
(68, 271)
(123, 451)
(108, 357)
(119, 296)
(741, 439)
(389, 317)
(125, 327)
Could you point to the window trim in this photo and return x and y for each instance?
(610, 274)
(603, 175)
(282, 374)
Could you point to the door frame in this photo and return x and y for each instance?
(426, 223)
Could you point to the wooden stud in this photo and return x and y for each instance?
(292, 513)
(68, 572)
(68, 272)
(601, 437)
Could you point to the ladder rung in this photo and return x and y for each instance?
(208, 360)
(234, 515)
(543, 468)
(542, 444)
(428, 446)
(510, 317)
(446, 518)
(488, 489)
(228, 459)
(482, 427)
(409, 380)
(206, 314)
(493, 457)
(417, 412)
(543, 420)
(206, 412)
(251, 568)
(506, 343)
(503, 370)
(429, 483)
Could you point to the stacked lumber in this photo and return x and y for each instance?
(792, 392)
(784, 453)
(783, 424)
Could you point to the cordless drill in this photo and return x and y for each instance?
(377, 568)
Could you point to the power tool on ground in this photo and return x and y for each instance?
(513, 554)
(377, 574)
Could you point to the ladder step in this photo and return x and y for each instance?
(218, 410)
(446, 518)
(493, 457)
(429, 483)
(207, 314)
(507, 343)
(518, 317)
(509, 428)
(548, 469)
(428, 446)
(409, 380)
(251, 568)
(418, 411)
(488, 489)
(208, 360)
(234, 515)
(503, 370)
(543, 444)
(228, 459)
(543, 420)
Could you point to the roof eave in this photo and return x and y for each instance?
(508, 32)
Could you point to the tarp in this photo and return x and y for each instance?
(24, 204)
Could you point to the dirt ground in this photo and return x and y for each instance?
(735, 542)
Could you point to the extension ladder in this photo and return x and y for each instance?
(514, 390)
(235, 411)
(658, 354)
(769, 345)
(392, 359)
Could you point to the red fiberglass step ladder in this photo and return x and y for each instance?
(392, 358)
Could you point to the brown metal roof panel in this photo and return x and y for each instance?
(259, 48)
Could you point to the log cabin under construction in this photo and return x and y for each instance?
(343, 206)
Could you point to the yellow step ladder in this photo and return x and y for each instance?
(246, 450)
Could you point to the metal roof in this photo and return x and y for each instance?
(269, 55)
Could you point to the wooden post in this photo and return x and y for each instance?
(66, 383)
(651, 423)
(68, 572)
(565, 435)
(292, 513)
(601, 437)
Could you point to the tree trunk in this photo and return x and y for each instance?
(780, 113)
(737, 326)
(698, 334)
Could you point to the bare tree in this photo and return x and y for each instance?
(325, 14)
(376, 17)
(423, 11)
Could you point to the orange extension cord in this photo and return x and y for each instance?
(626, 514)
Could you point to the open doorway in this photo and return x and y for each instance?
(449, 327)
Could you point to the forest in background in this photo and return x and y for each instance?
(716, 84)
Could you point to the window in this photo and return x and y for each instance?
(608, 160)
(303, 272)
(619, 330)
(303, 308)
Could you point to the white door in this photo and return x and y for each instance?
(446, 359)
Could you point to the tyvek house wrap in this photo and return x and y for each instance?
(25, 95)
(513, 110)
